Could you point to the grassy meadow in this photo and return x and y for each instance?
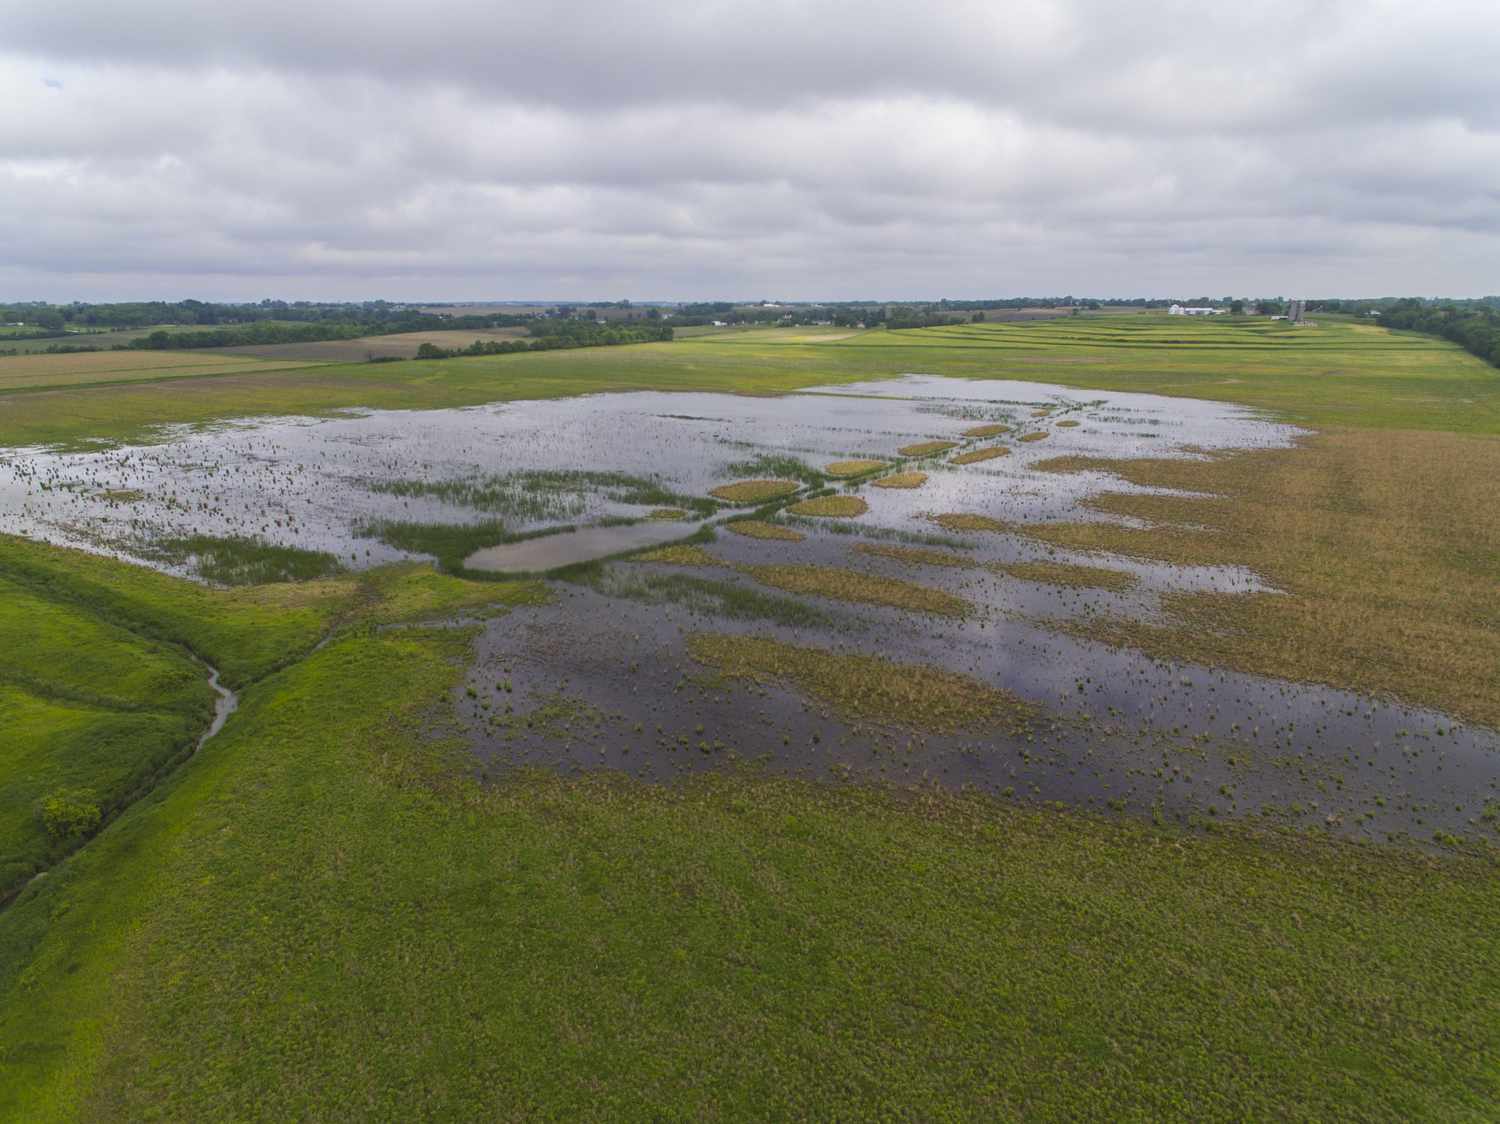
(323, 914)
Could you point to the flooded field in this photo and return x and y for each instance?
(848, 630)
(328, 484)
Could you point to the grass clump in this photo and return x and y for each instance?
(864, 687)
(678, 554)
(237, 560)
(957, 521)
(760, 529)
(717, 598)
(779, 466)
(902, 480)
(669, 515)
(1038, 435)
(979, 455)
(991, 430)
(916, 555)
(926, 448)
(1070, 423)
(1067, 574)
(851, 585)
(449, 543)
(842, 469)
(755, 491)
(836, 507)
(546, 494)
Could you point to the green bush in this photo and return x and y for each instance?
(69, 814)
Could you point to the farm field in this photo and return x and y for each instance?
(401, 345)
(39, 371)
(1081, 718)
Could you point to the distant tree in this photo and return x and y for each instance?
(1237, 308)
(977, 318)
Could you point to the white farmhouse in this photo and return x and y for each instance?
(1194, 310)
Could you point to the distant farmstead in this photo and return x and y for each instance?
(1194, 310)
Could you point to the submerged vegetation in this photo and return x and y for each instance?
(864, 687)
(852, 585)
(958, 521)
(236, 560)
(1070, 575)
(449, 543)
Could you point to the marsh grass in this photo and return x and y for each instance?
(864, 687)
(238, 560)
(837, 507)
(926, 448)
(449, 543)
(717, 598)
(755, 491)
(844, 469)
(979, 455)
(1036, 435)
(991, 430)
(678, 554)
(1069, 423)
(852, 585)
(1385, 545)
(957, 521)
(918, 556)
(1067, 574)
(901, 480)
(546, 494)
(778, 466)
(760, 529)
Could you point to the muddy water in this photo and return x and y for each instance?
(601, 677)
(316, 483)
(553, 551)
(599, 681)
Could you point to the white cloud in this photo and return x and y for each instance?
(471, 150)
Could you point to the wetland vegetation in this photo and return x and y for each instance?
(1170, 792)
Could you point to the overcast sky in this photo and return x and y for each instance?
(461, 149)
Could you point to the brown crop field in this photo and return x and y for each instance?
(18, 372)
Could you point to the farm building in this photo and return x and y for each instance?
(1194, 310)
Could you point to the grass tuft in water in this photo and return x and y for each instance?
(839, 507)
(235, 560)
(865, 687)
(902, 480)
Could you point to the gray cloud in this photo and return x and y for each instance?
(472, 150)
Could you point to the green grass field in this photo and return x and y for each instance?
(323, 915)
(1334, 374)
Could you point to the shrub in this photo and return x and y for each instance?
(69, 814)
